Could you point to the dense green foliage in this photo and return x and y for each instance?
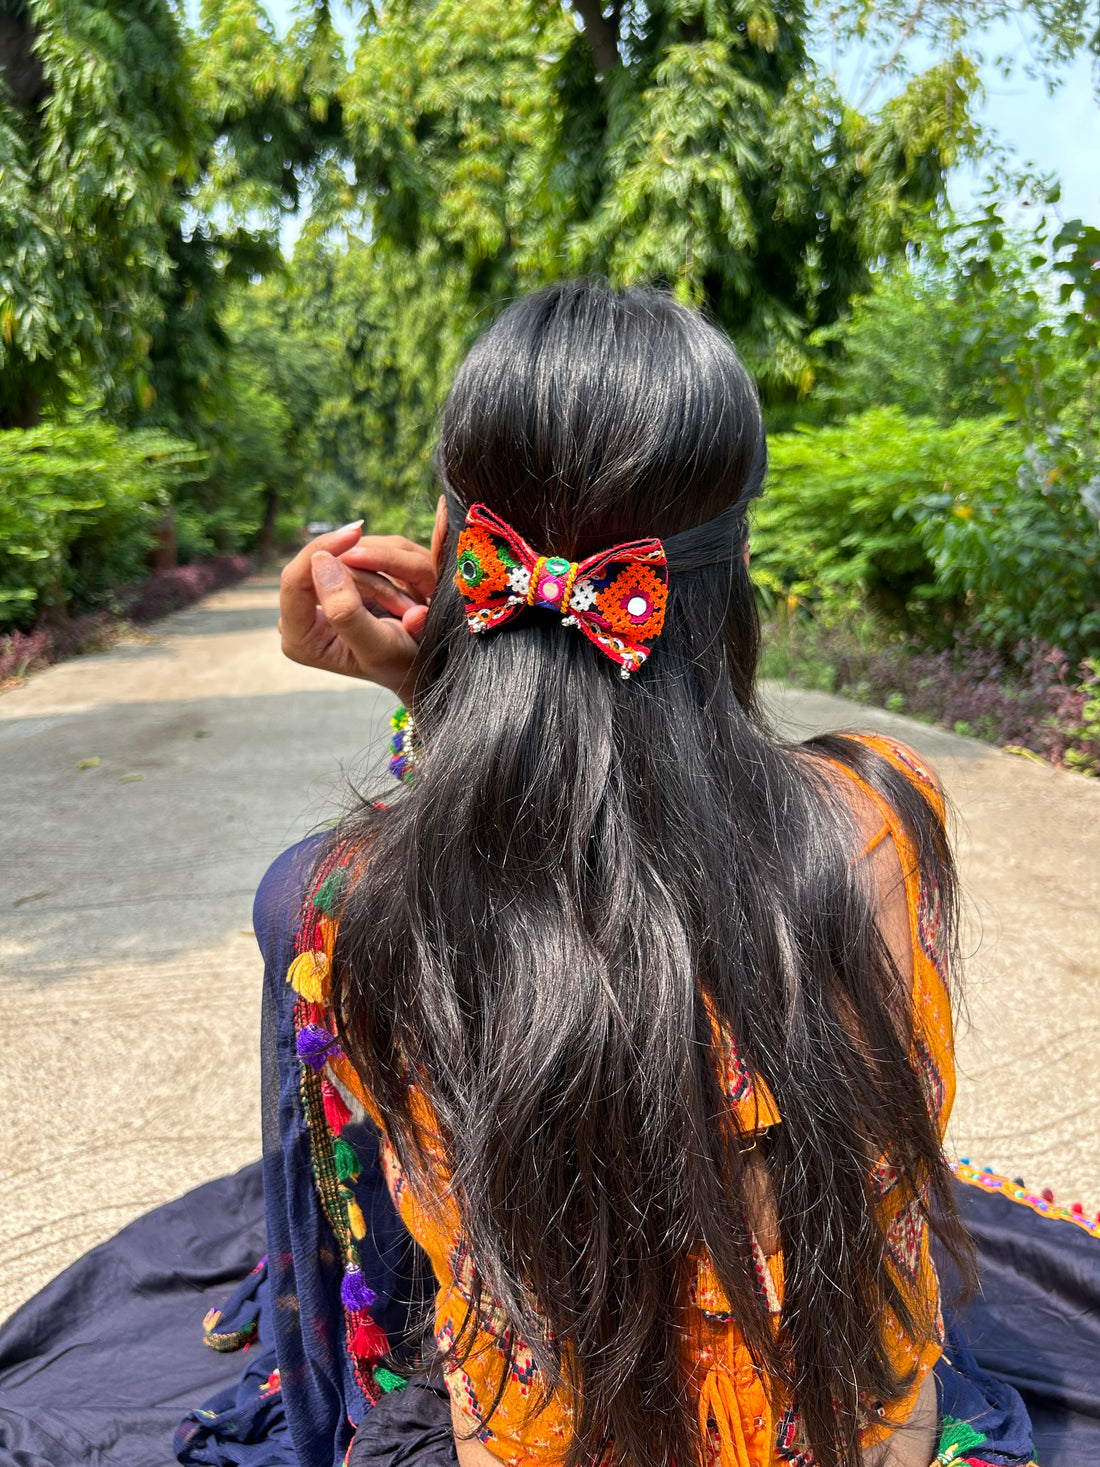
(974, 501)
(689, 144)
(144, 170)
(932, 384)
(851, 509)
(80, 508)
(935, 529)
(94, 125)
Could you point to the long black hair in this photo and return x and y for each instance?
(588, 869)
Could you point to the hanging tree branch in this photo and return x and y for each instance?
(906, 31)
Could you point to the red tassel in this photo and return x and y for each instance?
(336, 1112)
(369, 1342)
(1047, 1195)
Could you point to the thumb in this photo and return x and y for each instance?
(341, 602)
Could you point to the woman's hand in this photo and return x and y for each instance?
(357, 605)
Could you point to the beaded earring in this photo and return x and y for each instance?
(402, 763)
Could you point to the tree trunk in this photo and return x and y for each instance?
(601, 34)
(25, 86)
(163, 556)
(22, 71)
(268, 547)
(24, 412)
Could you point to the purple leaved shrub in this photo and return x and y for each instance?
(1034, 700)
(23, 652)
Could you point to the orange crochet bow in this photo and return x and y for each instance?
(616, 598)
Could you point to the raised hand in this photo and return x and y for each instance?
(356, 605)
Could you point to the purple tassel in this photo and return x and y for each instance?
(355, 1292)
(316, 1045)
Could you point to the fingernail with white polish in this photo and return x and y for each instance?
(355, 525)
(327, 570)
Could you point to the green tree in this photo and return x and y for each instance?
(79, 510)
(95, 124)
(143, 175)
(688, 143)
(1001, 512)
(265, 115)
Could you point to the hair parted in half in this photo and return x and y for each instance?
(584, 865)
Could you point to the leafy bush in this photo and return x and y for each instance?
(936, 529)
(899, 346)
(1024, 553)
(847, 510)
(80, 505)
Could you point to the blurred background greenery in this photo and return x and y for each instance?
(178, 382)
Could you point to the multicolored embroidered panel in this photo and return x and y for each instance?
(325, 1106)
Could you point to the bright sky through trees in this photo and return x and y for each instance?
(1059, 133)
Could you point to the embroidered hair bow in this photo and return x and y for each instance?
(616, 598)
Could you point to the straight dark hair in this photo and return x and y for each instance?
(584, 864)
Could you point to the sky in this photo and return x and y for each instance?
(1056, 134)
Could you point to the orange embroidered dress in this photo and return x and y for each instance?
(745, 1423)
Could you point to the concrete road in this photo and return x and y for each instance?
(129, 980)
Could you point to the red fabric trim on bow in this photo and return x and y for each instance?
(616, 598)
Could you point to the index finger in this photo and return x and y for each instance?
(395, 556)
(297, 595)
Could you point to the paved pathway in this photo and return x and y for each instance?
(129, 980)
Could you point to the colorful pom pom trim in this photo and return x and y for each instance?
(1042, 1203)
(355, 1292)
(347, 1163)
(334, 1161)
(389, 1380)
(316, 1046)
(336, 1112)
(369, 1340)
(956, 1437)
(310, 975)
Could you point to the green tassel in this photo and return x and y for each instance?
(389, 1380)
(956, 1438)
(327, 896)
(347, 1163)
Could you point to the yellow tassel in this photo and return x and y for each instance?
(309, 975)
(355, 1221)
